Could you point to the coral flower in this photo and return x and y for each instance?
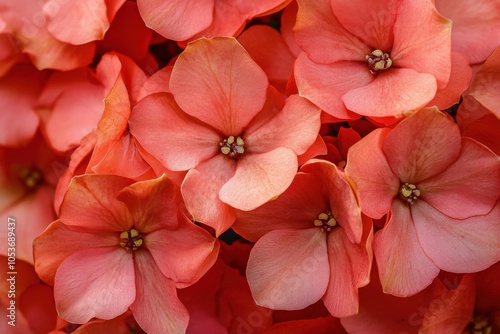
(225, 124)
(440, 192)
(120, 245)
(382, 61)
(312, 244)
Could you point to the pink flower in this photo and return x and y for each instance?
(311, 244)
(128, 244)
(440, 192)
(228, 127)
(373, 58)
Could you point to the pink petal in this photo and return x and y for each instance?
(324, 40)
(259, 178)
(105, 272)
(373, 24)
(349, 269)
(375, 183)
(179, 141)
(324, 85)
(394, 92)
(17, 102)
(90, 203)
(200, 190)
(179, 19)
(404, 268)
(465, 189)
(486, 83)
(230, 90)
(288, 18)
(157, 309)
(422, 145)
(77, 22)
(422, 40)
(296, 208)
(58, 242)
(467, 245)
(183, 254)
(295, 127)
(289, 269)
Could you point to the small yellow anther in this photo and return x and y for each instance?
(230, 139)
(124, 235)
(133, 233)
(225, 150)
(138, 242)
(377, 53)
(332, 222)
(323, 216)
(406, 192)
(239, 141)
(318, 223)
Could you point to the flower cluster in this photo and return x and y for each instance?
(278, 166)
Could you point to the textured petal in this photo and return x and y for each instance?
(465, 189)
(179, 19)
(422, 145)
(296, 208)
(324, 85)
(105, 272)
(404, 268)
(467, 245)
(349, 267)
(295, 127)
(486, 83)
(179, 141)
(200, 190)
(90, 203)
(157, 309)
(230, 88)
(393, 93)
(183, 254)
(373, 25)
(288, 269)
(152, 204)
(322, 37)
(422, 40)
(58, 242)
(259, 178)
(375, 183)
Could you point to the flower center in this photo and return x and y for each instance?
(480, 325)
(409, 193)
(233, 147)
(131, 239)
(378, 60)
(31, 177)
(325, 221)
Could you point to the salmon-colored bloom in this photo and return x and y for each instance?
(225, 124)
(311, 244)
(385, 60)
(128, 244)
(440, 192)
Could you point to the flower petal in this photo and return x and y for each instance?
(90, 203)
(200, 190)
(230, 88)
(422, 40)
(259, 178)
(469, 187)
(324, 85)
(295, 127)
(375, 183)
(156, 308)
(422, 145)
(392, 93)
(104, 272)
(404, 268)
(462, 246)
(179, 141)
(288, 269)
